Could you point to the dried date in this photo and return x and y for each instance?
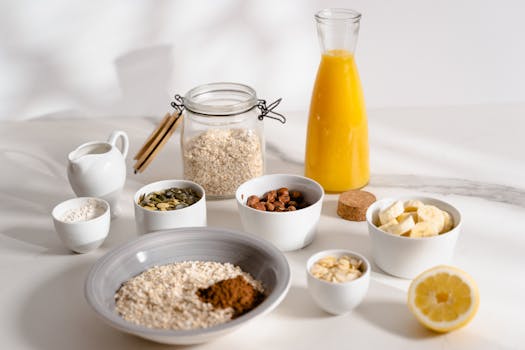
(279, 200)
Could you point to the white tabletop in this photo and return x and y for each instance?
(472, 156)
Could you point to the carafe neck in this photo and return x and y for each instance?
(337, 29)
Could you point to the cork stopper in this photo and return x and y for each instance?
(352, 205)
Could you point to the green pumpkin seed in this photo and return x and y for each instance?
(169, 199)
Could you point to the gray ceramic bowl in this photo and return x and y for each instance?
(256, 256)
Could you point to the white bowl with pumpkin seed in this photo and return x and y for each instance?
(168, 204)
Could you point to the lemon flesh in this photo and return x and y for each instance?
(443, 298)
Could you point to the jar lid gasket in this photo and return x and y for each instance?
(220, 99)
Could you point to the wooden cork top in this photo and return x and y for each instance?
(352, 205)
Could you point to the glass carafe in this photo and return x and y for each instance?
(337, 136)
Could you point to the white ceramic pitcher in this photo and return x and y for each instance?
(98, 169)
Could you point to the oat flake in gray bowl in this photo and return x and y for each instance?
(263, 261)
(165, 296)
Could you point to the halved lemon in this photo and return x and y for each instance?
(443, 298)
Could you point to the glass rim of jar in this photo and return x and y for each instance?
(337, 15)
(200, 99)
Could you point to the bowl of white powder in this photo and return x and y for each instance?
(82, 223)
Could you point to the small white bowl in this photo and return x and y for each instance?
(407, 257)
(288, 230)
(338, 298)
(150, 221)
(82, 236)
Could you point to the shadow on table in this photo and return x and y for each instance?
(219, 217)
(35, 238)
(55, 316)
(38, 177)
(299, 304)
(330, 208)
(30, 202)
(121, 231)
(393, 317)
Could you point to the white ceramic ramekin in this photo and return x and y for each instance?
(150, 221)
(82, 236)
(288, 230)
(407, 257)
(338, 298)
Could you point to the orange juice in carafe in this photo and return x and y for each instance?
(337, 136)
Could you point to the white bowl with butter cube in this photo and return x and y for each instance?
(412, 234)
(338, 279)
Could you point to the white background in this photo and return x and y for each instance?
(99, 58)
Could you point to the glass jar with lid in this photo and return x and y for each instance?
(222, 136)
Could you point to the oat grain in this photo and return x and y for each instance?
(222, 159)
(165, 296)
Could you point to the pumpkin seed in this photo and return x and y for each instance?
(169, 199)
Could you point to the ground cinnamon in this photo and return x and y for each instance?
(236, 293)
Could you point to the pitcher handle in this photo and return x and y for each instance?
(125, 141)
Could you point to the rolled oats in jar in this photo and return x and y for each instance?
(222, 136)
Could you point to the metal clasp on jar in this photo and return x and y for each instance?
(266, 110)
